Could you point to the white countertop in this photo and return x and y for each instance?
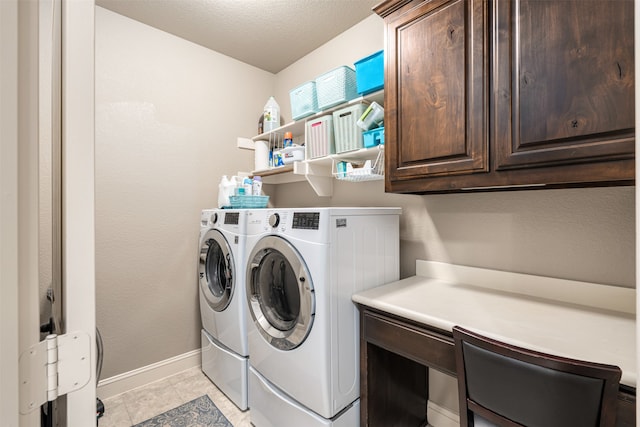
(498, 308)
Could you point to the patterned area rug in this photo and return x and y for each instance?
(200, 412)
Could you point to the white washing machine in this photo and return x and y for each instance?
(303, 266)
(221, 273)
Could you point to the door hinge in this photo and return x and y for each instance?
(53, 367)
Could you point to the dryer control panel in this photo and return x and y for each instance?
(232, 218)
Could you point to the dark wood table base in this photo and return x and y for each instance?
(395, 355)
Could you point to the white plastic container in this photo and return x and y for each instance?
(292, 154)
(271, 115)
(372, 117)
(225, 190)
(257, 186)
(319, 136)
(347, 135)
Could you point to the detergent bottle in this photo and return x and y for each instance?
(223, 192)
(271, 115)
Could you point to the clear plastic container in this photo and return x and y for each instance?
(372, 117)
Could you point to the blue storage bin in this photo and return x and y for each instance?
(373, 137)
(370, 73)
(336, 87)
(304, 100)
(248, 202)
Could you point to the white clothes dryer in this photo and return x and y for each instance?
(221, 273)
(303, 266)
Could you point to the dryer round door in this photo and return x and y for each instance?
(216, 270)
(280, 293)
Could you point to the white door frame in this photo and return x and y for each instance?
(19, 316)
(78, 207)
(19, 198)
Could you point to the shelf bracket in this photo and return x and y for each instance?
(318, 176)
(245, 143)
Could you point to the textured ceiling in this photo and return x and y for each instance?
(269, 34)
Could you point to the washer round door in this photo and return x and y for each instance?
(216, 270)
(280, 293)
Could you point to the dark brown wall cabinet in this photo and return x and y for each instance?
(508, 94)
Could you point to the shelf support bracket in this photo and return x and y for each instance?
(318, 176)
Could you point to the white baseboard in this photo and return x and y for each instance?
(147, 374)
(439, 416)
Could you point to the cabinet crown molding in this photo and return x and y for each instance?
(387, 7)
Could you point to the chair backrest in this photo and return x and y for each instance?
(512, 386)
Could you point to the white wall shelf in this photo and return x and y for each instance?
(319, 172)
(297, 127)
(280, 175)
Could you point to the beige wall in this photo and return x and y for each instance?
(167, 116)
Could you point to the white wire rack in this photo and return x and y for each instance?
(359, 171)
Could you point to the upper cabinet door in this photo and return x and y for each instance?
(435, 115)
(563, 82)
(508, 94)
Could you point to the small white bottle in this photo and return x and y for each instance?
(257, 186)
(271, 115)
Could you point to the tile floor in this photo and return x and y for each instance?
(140, 404)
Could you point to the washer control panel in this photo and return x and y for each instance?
(306, 220)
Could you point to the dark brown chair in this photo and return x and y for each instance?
(508, 386)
